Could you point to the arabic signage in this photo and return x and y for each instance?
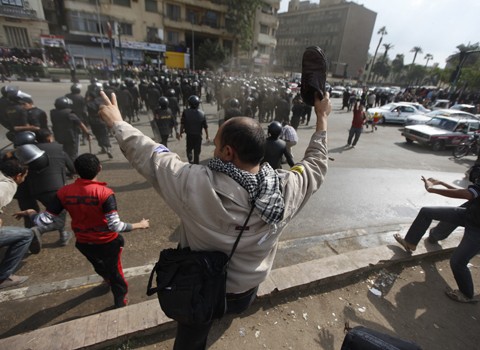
(140, 45)
(52, 40)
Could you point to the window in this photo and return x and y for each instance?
(211, 19)
(193, 16)
(173, 37)
(151, 6)
(173, 12)
(264, 29)
(122, 2)
(17, 37)
(126, 28)
(13, 3)
(83, 22)
(152, 35)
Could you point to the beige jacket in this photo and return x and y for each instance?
(213, 207)
(8, 187)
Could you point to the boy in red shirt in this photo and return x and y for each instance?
(95, 222)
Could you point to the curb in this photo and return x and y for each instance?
(115, 326)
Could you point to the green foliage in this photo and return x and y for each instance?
(210, 55)
(240, 16)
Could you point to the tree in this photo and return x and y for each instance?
(416, 50)
(240, 16)
(382, 31)
(210, 55)
(428, 57)
(397, 65)
(387, 48)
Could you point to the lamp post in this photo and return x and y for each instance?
(192, 20)
(100, 28)
(119, 32)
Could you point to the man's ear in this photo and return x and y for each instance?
(228, 153)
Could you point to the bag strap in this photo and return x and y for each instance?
(240, 234)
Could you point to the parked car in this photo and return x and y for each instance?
(441, 131)
(424, 118)
(440, 104)
(419, 106)
(464, 107)
(337, 91)
(393, 112)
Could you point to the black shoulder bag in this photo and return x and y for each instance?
(191, 285)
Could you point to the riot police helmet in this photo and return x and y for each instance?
(275, 128)
(194, 101)
(170, 93)
(63, 102)
(234, 103)
(75, 88)
(9, 90)
(163, 102)
(24, 138)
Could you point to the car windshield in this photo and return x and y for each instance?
(437, 113)
(443, 123)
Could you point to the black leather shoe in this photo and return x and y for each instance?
(314, 74)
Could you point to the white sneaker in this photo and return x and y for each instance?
(13, 280)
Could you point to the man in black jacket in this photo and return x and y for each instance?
(43, 185)
(275, 148)
(192, 123)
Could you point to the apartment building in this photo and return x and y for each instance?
(342, 29)
(22, 23)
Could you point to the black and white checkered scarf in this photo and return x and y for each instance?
(263, 188)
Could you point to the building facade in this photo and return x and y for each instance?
(342, 29)
(21, 23)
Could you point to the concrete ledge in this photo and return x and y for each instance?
(113, 326)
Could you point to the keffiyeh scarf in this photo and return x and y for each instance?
(263, 188)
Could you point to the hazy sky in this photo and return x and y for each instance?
(437, 26)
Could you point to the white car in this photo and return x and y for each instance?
(392, 112)
(424, 118)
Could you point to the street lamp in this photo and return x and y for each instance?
(100, 28)
(192, 20)
(119, 32)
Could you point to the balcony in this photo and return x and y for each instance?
(266, 40)
(17, 12)
(183, 24)
(269, 20)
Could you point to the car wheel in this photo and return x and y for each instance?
(438, 145)
(408, 140)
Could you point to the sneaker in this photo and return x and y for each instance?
(36, 244)
(109, 154)
(314, 74)
(65, 237)
(12, 280)
(121, 302)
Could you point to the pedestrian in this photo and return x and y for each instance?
(290, 136)
(17, 239)
(275, 148)
(213, 200)
(357, 125)
(66, 126)
(95, 222)
(193, 122)
(467, 216)
(298, 109)
(43, 184)
(96, 124)
(165, 121)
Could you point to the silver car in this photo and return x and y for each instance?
(392, 112)
(424, 118)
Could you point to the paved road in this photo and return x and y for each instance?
(375, 184)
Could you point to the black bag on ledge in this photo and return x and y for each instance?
(191, 285)
(362, 338)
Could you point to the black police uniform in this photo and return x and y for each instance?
(193, 122)
(66, 129)
(165, 121)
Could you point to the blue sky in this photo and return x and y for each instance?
(437, 26)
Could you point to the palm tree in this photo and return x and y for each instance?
(382, 31)
(417, 50)
(428, 57)
(387, 48)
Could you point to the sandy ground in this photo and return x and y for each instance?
(407, 301)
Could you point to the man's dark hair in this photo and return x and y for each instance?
(87, 166)
(246, 137)
(43, 135)
(12, 167)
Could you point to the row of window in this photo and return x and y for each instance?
(89, 22)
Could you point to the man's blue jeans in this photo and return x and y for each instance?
(18, 240)
(466, 250)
